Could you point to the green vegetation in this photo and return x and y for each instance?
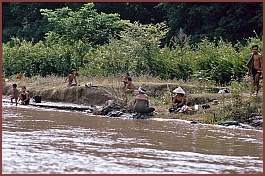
(175, 42)
(137, 50)
(233, 21)
(103, 44)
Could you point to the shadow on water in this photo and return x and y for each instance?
(36, 140)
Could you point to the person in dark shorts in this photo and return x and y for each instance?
(254, 68)
(141, 102)
(71, 79)
(24, 96)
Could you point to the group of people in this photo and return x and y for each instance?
(129, 87)
(23, 97)
(141, 103)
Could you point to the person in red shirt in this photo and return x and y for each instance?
(19, 75)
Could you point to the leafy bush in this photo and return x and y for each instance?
(104, 45)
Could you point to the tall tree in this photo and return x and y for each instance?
(24, 20)
(82, 29)
(230, 20)
(143, 12)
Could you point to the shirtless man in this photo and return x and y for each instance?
(130, 87)
(125, 79)
(254, 68)
(71, 78)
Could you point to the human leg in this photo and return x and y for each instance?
(256, 82)
(16, 100)
(129, 90)
(12, 99)
(253, 87)
(21, 99)
(150, 109)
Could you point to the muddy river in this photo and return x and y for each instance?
(39, 140)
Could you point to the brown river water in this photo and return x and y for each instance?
(49, 141)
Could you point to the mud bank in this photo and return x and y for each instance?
(99, 95)
(78, 95)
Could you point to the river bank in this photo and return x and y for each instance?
(98, 95)
(94, 111)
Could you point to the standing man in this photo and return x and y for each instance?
(254, 68)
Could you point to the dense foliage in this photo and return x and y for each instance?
(99, 43)
(230, 20)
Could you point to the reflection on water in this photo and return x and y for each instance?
(51, 141)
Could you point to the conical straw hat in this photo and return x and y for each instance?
(179, 90)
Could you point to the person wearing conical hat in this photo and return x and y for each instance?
(141, 102)
(179, 99)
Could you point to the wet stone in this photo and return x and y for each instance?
(257, 123)
(195, 121)
(228, 123)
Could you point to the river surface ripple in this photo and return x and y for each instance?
(38, 140)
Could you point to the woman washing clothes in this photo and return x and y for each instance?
(141, 102)
(24, 97)
(179, 100)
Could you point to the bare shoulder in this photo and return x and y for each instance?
(141, 96)
(71, 76)
(145, 95)
(137, 96)
(27, 94)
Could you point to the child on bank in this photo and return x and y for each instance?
(14, 94)
(125, 79)
(130, 87)
(71, 78)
